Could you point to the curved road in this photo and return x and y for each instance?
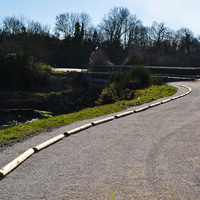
(153, 154)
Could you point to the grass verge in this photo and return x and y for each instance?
(22, 131)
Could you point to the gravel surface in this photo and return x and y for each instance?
(154, 154)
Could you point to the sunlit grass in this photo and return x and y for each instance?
(22, 131)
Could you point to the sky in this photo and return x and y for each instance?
(174, 13)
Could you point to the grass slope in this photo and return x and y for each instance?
(22, 131)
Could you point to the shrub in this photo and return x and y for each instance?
(135, 78)
(108, 95)
(99, 57)
(123, 84)
(42, 69)
(20, 72)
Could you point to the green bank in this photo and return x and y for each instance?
(25, 130)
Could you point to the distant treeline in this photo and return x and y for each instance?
(120, 38)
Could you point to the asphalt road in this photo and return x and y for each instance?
(153, 154)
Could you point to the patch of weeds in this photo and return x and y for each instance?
(112, 196)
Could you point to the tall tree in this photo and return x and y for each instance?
(115, 24)
(77, 44)
(158, 33)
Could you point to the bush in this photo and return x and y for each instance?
(42, 69)
(123, 84)
(15, 71)
(135, 78)
(113, 94)
(108, 95)
(20, 72)
(99, 57)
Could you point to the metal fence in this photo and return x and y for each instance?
(102, 72)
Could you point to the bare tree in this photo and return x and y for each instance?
(185, 40)
(1, 25)
(120, 25)
(62, 24)
(37, 28)
(158, 33)
(65, 23)
(133, 32)
(12, 25)
(115, 23)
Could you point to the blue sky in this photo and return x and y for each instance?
(175, 13)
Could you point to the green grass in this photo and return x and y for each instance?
(112, 197)
(22, 131)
